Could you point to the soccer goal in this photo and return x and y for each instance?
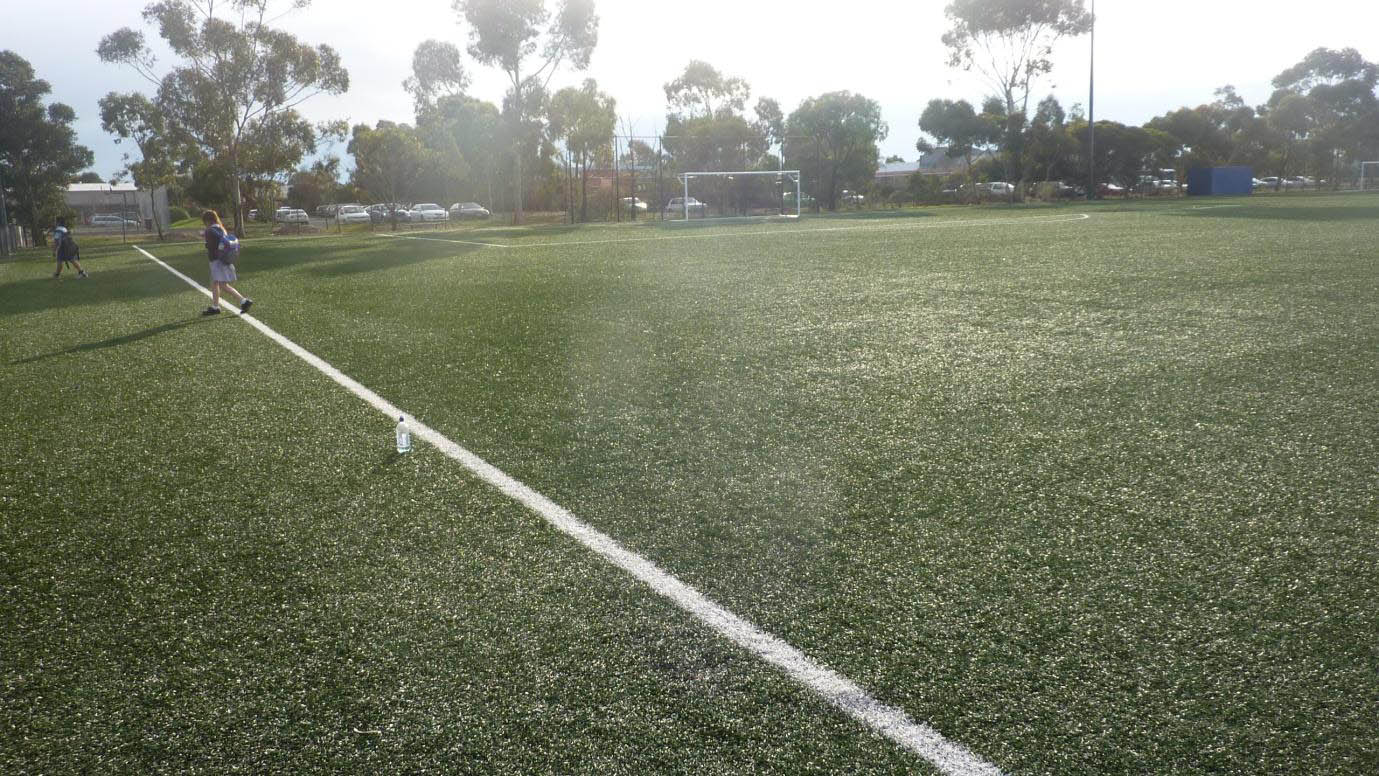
(1369, 175)
(737, 194)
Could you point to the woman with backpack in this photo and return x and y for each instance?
(222, 272)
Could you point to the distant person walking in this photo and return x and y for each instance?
(222, 273)
(65, 249)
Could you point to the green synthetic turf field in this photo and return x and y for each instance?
(1088, 495)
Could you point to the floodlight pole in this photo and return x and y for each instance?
(1091, 113)
(5, 248)
(685, 199)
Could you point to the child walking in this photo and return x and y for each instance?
(222, 274)
(65, 249)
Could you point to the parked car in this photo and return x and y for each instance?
(386, 212)
(352, 214)
(1270, 181)
(106, 220)
(428, 211)
(678, 205)
(1108, 189)
(291, 215)
(463, 210)
(999, 189)
(1258, 184)
(1299, 182)
(630, 205)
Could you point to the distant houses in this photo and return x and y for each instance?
(896, 175)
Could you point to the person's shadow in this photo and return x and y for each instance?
(123, 339)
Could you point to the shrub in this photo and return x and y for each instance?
(176, 214)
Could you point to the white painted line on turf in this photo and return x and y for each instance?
(766, 232)
(949, 757)
(1211, 207)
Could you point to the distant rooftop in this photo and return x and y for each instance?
(102, 187)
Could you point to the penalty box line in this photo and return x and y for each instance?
(949, 757)
(764, 233)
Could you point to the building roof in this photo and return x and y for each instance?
(104, 188)
(898, 168)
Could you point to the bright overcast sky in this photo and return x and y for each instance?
(1152, 55)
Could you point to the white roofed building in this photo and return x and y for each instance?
(135, 204)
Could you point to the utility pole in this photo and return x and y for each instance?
(7, 250)
(1091, 114)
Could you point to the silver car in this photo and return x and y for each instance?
(428, 211)
(462, 210)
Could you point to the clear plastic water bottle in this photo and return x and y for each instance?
(404, 436)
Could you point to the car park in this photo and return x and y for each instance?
(427, 211)
(678, 206)
(463, 210)
(352, 214)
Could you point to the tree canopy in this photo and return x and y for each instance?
(38, 149)
(236, 79)
(845, 129)
(521, 38)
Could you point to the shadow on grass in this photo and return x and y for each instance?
(113, 342)
(389, 253)
(48, 293)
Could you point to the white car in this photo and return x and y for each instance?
(109, 220)
(428, 211)
(678, 205)
(291, 215)
(352, 214)
(630, 205)
(1000, 188)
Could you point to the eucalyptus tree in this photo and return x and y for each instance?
(958, 129)
(38, 149)
(235, 77)
(584, 118)
(846, 129)
(529, 44)
(1010, 44)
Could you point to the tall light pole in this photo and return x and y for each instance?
(1091, 113)
(5, 248)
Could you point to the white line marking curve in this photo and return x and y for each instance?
(950, 757)
(799, 230)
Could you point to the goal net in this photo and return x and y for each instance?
(1369, 176)
(736, 194)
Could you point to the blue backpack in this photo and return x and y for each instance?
(228, 250)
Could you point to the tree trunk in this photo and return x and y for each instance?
(583, 187)
(153, 208)
(234, 171)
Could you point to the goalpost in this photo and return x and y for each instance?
(1365, 167)
(750, 193)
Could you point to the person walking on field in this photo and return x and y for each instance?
(222, 273)
(65, 249)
